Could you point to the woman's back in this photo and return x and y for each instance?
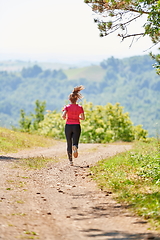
(73, 111)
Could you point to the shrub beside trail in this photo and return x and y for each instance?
(102, 124)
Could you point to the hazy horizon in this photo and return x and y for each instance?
(61, 31)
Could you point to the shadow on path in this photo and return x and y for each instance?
(8, 159)
(120, 235)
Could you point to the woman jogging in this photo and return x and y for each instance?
(73, 113)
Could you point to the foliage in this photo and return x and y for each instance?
(31, 123)
(39, 113)
(130, 81)
(102, 124)
(117, 15)
(134, 177)
(108, 123)
(31, 71)
(157, 65)
(53, 125)
(25, 121)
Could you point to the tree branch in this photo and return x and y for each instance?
(131, 35)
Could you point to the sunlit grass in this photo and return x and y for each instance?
(94, 73)
(12, 141)
(134, 177)
(35, 162)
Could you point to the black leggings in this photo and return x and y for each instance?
(72, 132)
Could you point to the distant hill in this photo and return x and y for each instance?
(132, 82)
(18, 65)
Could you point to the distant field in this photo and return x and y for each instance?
(92, 73)
(18, 65)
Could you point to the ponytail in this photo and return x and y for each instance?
(75, 95)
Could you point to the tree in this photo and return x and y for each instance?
(123, 12)
(117, 15)
(31, 123)
(31, 72)
(25, 122)
(157, 65)
(39, 113)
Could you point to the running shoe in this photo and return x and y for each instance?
(75, 151)
(71, 162)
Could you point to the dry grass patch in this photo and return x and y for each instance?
(12, 141)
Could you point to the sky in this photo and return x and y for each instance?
(59, 31)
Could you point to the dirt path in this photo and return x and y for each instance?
(61, 202)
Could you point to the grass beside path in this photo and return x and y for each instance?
(134, 177)
(12, 141)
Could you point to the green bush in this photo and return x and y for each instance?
(52, 125)
(102, 124)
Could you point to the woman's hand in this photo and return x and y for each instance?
(82, 116)
(64, 115)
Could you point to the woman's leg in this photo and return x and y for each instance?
(76, 134)
(69, 133)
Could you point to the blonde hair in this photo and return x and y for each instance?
(75, 95)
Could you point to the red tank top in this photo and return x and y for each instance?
(73, 112)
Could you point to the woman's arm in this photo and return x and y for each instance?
(82, 116)
(64, 114)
